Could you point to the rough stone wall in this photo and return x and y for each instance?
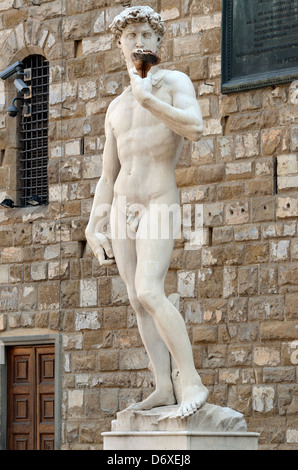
(238, 293)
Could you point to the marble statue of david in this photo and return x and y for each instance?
(145, 129)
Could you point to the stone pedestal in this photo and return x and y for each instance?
(210, 428)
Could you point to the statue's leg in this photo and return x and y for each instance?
(153, 259)
(125, 255)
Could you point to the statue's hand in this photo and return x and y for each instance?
(141, 87)
(101, 248)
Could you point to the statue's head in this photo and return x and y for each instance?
(138, 14)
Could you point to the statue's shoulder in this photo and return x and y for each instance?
(114, 103)
(112, 106)
(177, 79)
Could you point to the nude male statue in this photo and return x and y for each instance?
(145, 129)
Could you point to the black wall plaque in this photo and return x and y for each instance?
(259, 43)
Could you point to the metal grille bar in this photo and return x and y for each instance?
(34, 134)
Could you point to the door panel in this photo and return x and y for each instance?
(45, 361)
(20, 398)
(31, 403)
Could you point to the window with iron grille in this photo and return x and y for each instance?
(34, 134)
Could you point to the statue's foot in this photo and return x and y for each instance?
(157, 398)
(193, 398)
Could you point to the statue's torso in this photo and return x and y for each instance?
(148, 151)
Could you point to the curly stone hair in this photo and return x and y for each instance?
(137, 14)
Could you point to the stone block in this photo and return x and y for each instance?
(247, 232)
(279, 374)
(215, 66)
(270, 141)
(287, 182)
(288, 276)
(4, 274)
(292, 436)
(6, 4)
(210, 282)
(263, 398)
(133, 359)
(202, 152)
(183, 45)
(294, 138)
(59, 93)
(58, 270)
(75, 401)
(115, 317)
(280, 250)
(268, 280)
(238, 310)
(186, 283)
(49, 296)
(96, 44)
(124, 339)
(212, 127)
(259, 187)
(238, 170)
(237, 213)
(257, 253)
(229, 376)
(222, 235)
(109, 400)
(6, 237)
(287, 207)
(83, 361)
(248, 280)
(231, 190)
(240, 355)
(287, 164)
(206, 22)
(119, 291)
(271, 308)
(39, 271)
(44, 232)
(294, 250)
(8, 298)
(277, 331)
(264, 167)
(28, 297)
(251, 121)
(87, 321)
(230, 282)
(225, 148)
(92, 166)
(278, 229)
(266, 356)
(108, 360)
(87, 90)
(12, 255)
(247, 145)
(291, 306)
(88, 292)
(213, 214)
(204, 334)
(76, 27)
(70, 293)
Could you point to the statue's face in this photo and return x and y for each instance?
(138, 36)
